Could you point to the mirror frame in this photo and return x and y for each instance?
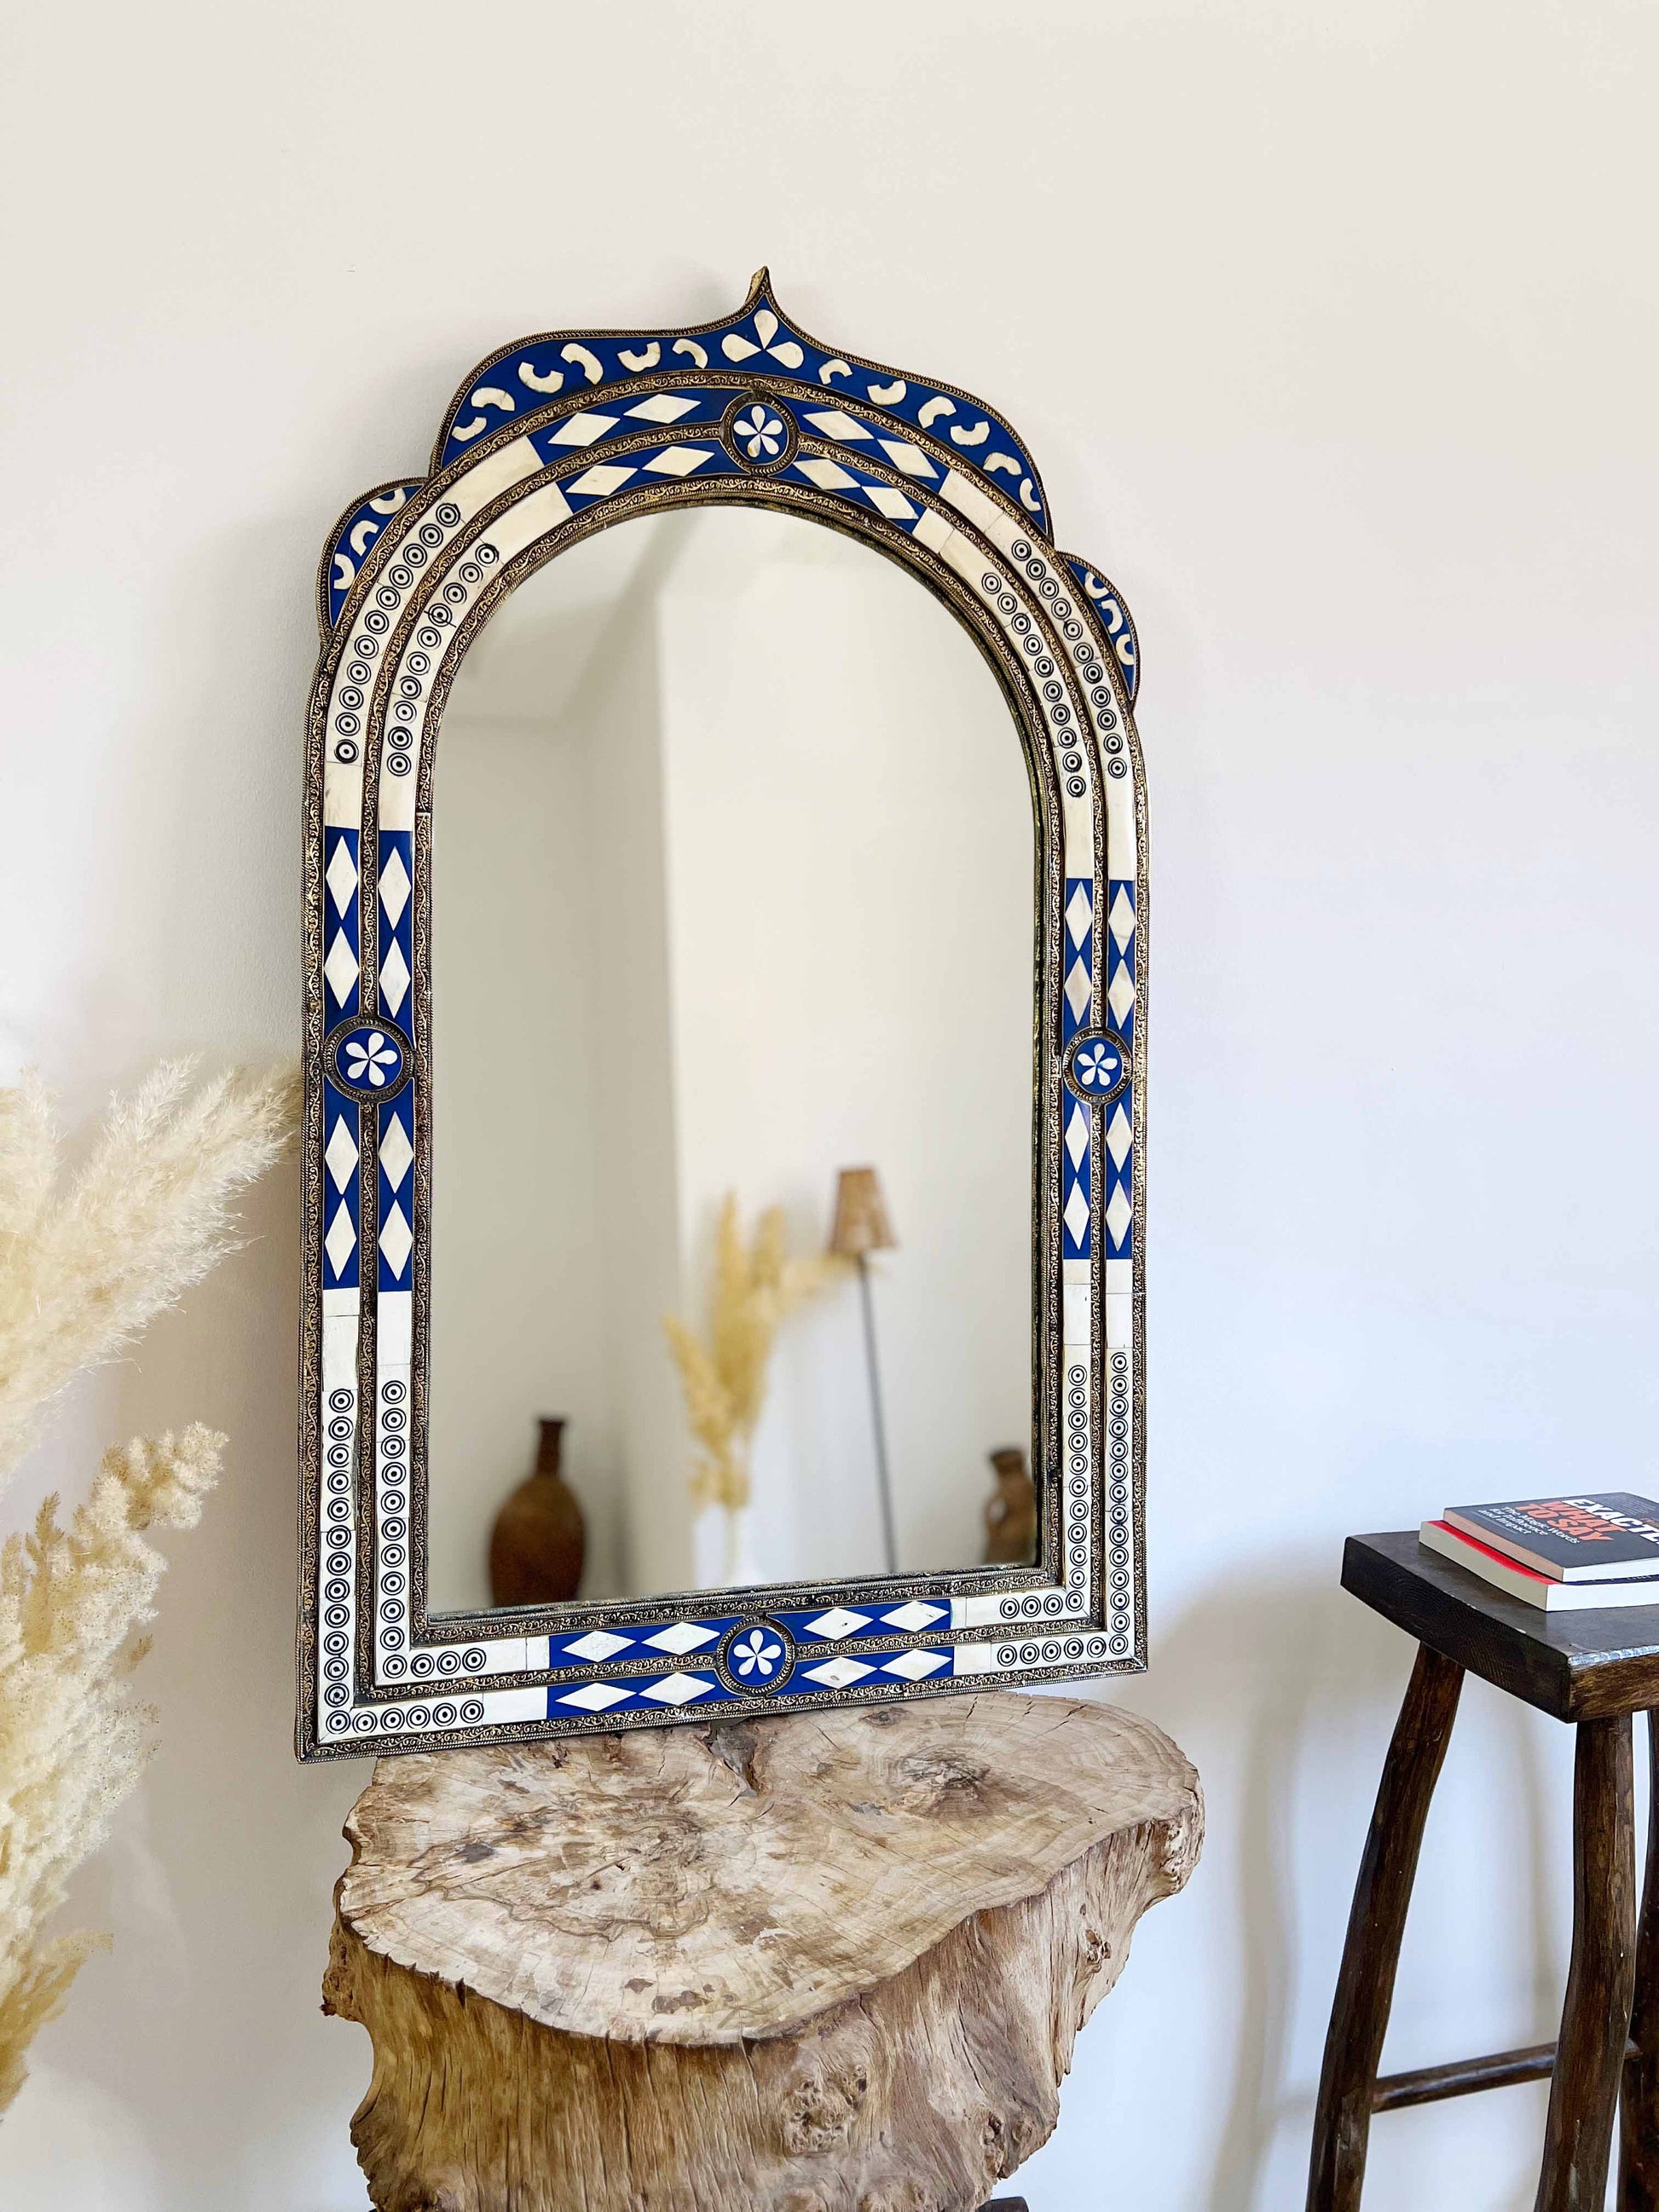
(547, 441)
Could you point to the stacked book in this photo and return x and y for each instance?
(1565, 1554)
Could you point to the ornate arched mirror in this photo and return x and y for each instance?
(725, 1093)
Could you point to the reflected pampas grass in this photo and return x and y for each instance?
(756, 1283)
(80, 1273)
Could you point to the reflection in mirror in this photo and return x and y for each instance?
(733, 892)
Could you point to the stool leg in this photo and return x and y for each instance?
(1600, 1978)
(1364, 1986)
(1638, 2099)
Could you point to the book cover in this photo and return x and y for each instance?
(1609, 1537)
(1541, 1590)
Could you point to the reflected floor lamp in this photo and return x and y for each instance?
(861, 1227)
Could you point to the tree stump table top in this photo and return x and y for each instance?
(805, 1961)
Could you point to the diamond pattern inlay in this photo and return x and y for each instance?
(839, 1672)
(596, 482)
(1122, 917)
(583, 430)
(341, 877)
(837, 1622)
(341, 966)
(893, 504)
(1119, 1137)
(396, 1239)
(684, 1636)
(595, 1697)
(1079, 986)
(1079, 913)
(1077, 1133)
(827, 475)
(1077, 1213)
(394, 979)
(678, 460)
(341, 1238)
(396, 1154)
(913, 1616)
(679, 1689)
(913, 1665)
(910, 461)
(1122, 994)
(597, 1644)
(663, 407)
(832, 423)
(1119, 1214)
(394, 887)
(341, 1155)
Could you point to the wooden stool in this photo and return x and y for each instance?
(829, 1963)
(1594, 1668)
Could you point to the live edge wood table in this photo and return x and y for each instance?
(833, 1962)
(1595, 1669)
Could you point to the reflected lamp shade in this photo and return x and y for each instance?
(861, 1224)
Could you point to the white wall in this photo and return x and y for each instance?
(1333, 328)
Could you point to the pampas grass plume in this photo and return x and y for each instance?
(723, 1381)
(81, 1272)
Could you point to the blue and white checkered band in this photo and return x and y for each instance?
(545, 442)
(1097, 1066)
(370, 1060)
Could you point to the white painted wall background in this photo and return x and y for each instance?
(1333, 330)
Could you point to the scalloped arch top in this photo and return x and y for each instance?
(759, 339)
(510, 387)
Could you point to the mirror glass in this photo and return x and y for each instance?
(733, 894)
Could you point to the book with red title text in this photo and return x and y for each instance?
(1605, 1537)
(1551, 1594)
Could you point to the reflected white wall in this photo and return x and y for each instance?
(850, 837)
(554, 1161)
(516, 1330)
(733, 888)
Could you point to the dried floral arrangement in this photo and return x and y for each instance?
(755, 1285)
(83, 1268)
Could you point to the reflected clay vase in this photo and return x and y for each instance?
(537, 1544)
(1010, 1517)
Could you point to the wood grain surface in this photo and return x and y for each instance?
(833, 1962)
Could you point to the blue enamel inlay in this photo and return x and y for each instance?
(397, 1146)
(397, 923)
(340, 941)
(1119, 958)
(341, 1139)
(1077, 924)
(1111, 610)
(354, 538)
(630, 1696)
(634, 1643)
(758, 343)
(878, 1668)
(696, 425)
